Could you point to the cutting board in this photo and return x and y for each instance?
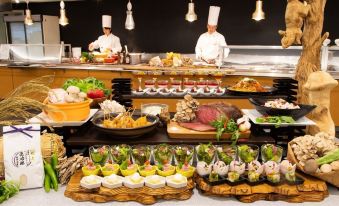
(313, 190)
(175, 131)
(144, 195)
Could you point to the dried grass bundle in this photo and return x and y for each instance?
(23, 103)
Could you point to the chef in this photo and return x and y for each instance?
(107, 42)
(207, 48)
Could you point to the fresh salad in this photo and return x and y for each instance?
(93, 87)
(120, 153)
(223, 126)
(99, 154)
(141, 154)
(277, 120)
(163, 154)
(205, 153)
(271, 152)
(248, 153)
(183, 154)
(226, 153)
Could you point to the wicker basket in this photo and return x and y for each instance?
(331, 177)
(48, 142)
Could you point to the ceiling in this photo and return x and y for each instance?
(22, 1)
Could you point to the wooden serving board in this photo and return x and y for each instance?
(175, 131)
(313, 190)
(144, 195)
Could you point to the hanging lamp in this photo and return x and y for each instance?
(191, 15)
(129, 24)
(28, 17)
(258, 14)
(63, 20)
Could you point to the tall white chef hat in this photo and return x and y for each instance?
(213, 15)
(106, 21)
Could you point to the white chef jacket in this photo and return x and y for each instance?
(108, 42)
(208, 46)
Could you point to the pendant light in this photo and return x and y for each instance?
(258, 14)
(129, 24)
(191, 15)
(28, 17)
(63, 21)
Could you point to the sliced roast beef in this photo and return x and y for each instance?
(211, 112)
(197, 126)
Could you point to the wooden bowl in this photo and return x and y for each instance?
(67, 112)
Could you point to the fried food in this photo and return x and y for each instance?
(125, 120)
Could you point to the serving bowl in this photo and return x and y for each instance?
(294, 113)
(125, 132)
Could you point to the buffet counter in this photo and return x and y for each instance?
(12, 76)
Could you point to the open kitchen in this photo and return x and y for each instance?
(169, 102)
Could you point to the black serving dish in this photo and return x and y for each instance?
(270, 91)
(240, 181)
(298, 181)
(221, 180)
(274, 183)
(260, 181)
(294, 113)
(287, 80)
(125, 132)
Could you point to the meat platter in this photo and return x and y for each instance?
(175, 131)
(210, 121)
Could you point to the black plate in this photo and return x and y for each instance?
(270, 91)
(294, 113)
(298, 181)
(285, 80)
(240, 181)
(285, 86)
(274, 184)
(221, 180)
(261, 180)
(127, 132)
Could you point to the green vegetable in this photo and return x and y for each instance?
(141, 154)
(226, 153)
(54, 162)
(120, 153)
(8, 189)
(205, 152)
(230, 127)
(183, 154)
(47, 183)
(247, 154)
(124, 165)
(85, 85)
(329, 157)
(88, 56)
(163, 153)
(49, 171)
(277, 120)
(271, 152)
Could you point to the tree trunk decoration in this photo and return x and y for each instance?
(310, 16)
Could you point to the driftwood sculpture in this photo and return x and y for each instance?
(318, 87)
(304, 24)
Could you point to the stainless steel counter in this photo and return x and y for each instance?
(262, 71)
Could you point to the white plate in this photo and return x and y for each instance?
(219, 94)
(254, 114)
(184, 91)
(164, 94)
(44, 120)
(138, 93)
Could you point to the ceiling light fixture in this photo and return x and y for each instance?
(129, 24)
(191, 15)
(63, 21)
(28, 17)
(258, 14)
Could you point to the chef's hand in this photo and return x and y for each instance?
(91, 47)
(211, 61)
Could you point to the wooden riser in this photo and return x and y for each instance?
(144, 195)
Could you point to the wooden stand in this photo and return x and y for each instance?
(313, 190)
(144, 195)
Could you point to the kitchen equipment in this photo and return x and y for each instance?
(135, 58)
